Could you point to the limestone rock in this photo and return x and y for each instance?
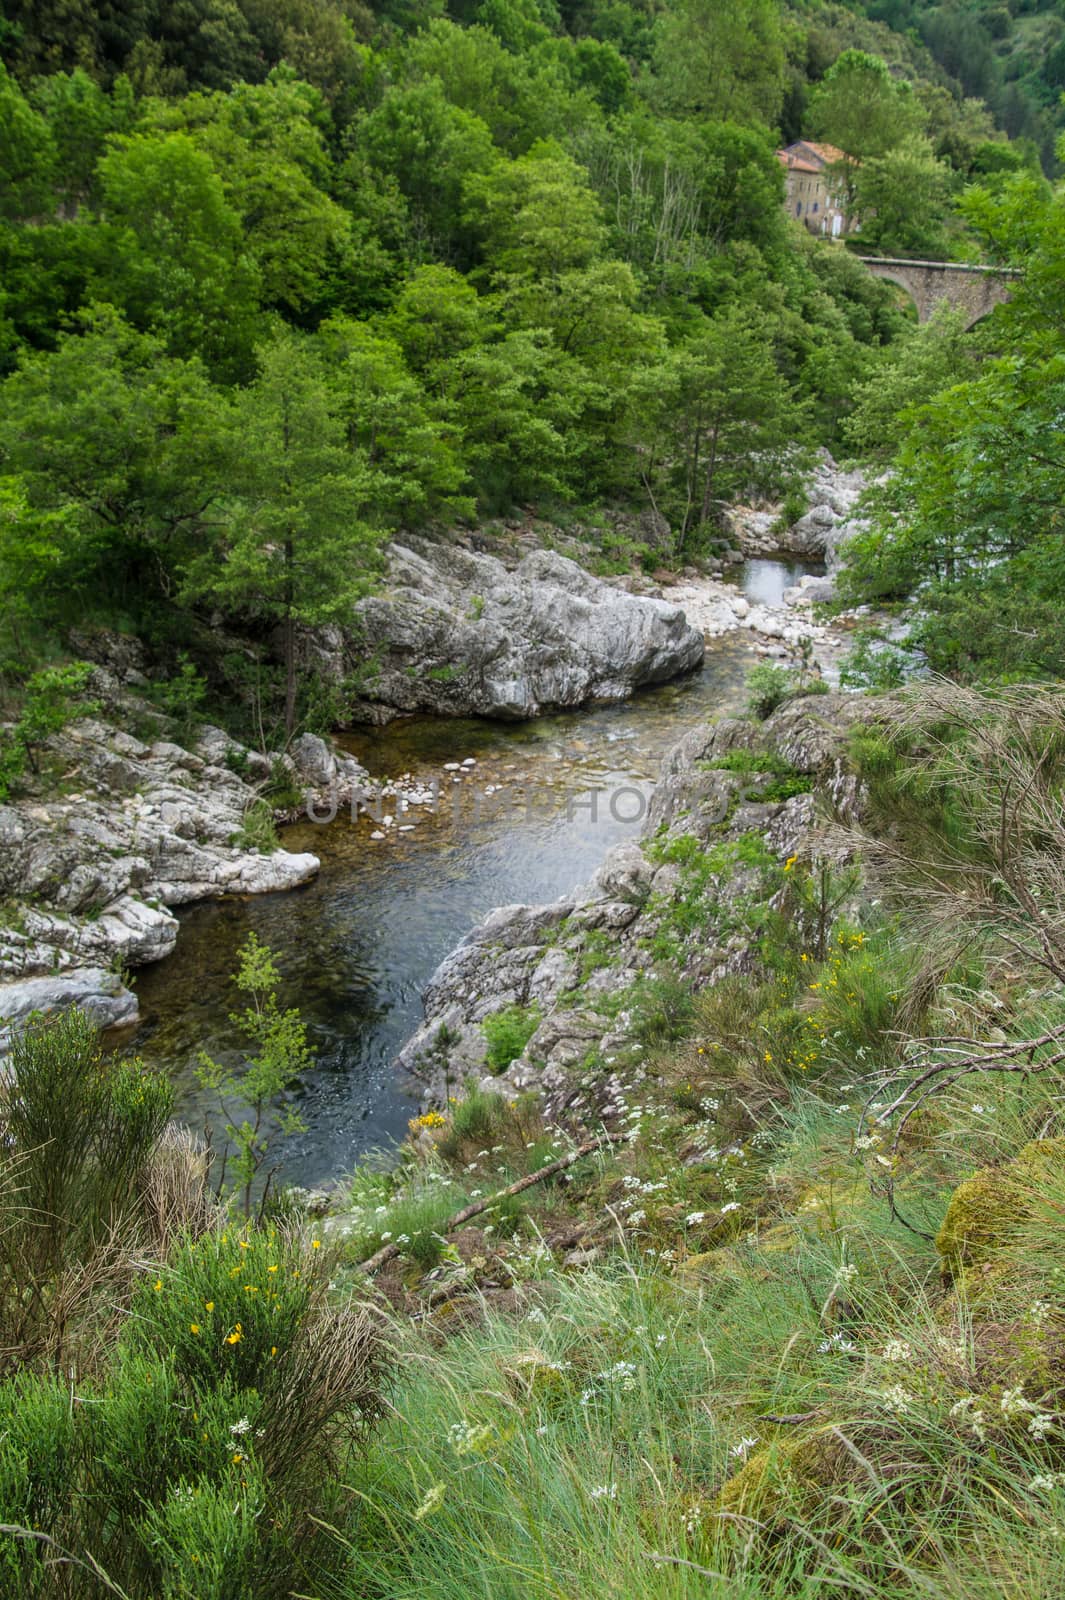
(87, 877)
(457, 633)
(94, 990)
(536, 955)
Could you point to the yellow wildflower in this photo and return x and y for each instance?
(158, 1284)
(236, 1336)
(194, 1327)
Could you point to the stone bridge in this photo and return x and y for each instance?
(973, 290)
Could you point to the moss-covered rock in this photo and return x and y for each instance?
(785, 1480)
(986, 1210)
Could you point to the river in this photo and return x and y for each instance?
(357, 946)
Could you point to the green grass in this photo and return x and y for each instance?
(609, 1431)
(507, 1032)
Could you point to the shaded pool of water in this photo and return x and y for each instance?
(763, 581)
(357, 946)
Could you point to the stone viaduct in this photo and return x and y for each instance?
(973, 290)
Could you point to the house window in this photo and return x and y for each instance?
(813, 208)
(798, 208)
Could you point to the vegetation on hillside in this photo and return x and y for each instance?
(968, 524)
(280, 278)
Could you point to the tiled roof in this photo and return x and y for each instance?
(827, 152)
(796, 163)
(805, 156)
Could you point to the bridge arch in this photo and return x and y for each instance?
(973, 290)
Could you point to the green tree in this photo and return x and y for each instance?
(517, 409)
(252, 1096)
(860, 107)
(414, 456)
(37, 573)
(27, 154)
(971, 514)
(901, 197)
(904, 376)
(171, 251)
(710, 420)
(124, 449)
(521, 98)
(722, 62)
(266, 144)
(538, 214)
(431, 149)
(437, 316)
(81, 117)
(296, 549)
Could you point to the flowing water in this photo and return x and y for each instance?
(357, 946)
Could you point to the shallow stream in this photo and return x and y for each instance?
(358, 945)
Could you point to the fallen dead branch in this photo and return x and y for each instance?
(389, 1252)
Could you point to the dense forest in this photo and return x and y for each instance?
(311, 273)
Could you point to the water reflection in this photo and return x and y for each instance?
(764, 581)
(358, 945)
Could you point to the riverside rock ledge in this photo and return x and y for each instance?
(88, 876)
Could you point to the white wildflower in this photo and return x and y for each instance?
(897, 1350)
(604, 1491)
(834, 1342)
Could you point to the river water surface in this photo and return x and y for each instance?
(357, 946)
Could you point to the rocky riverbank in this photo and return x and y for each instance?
(119, 830)
(735, 803)
(91, 867)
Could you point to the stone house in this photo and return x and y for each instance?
(813, 195)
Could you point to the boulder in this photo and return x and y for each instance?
(93, 989)
(457, 633)
(314, 760)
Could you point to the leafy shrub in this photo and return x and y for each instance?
(236, 1386)
(795, 504)
(258, 831)
(251, 1097)
(36, 1468)
(282, 789)
(780, 779)
(81, 1134)
(237, 760)
(50, 701)
(769, 685)
(873, 663)
(507, 1033)
(479, 1118)
(662, 1009)
(182, 697)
